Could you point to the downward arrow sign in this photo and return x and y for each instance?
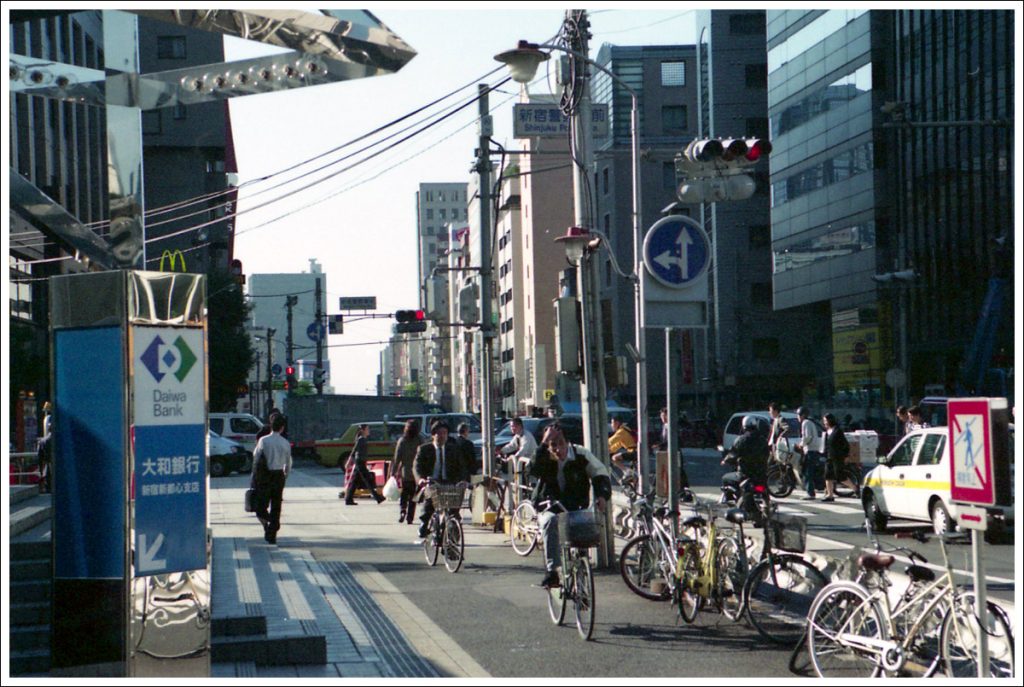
(147, 555)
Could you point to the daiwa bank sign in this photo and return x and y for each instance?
(169, 441)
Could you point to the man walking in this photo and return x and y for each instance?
(810, 446)
(272, 461)
(361, 474)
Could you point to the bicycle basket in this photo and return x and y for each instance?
(579, 528)
(788, 533)
(447, 496)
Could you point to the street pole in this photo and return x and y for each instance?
(483, 169)
(672, 353)
(270, 364)
(592, 386)
(642, 449)
(289, 303)
(319, 340)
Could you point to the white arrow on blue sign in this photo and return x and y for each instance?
(316, 331)
(676, 251)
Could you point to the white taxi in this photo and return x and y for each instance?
(912, 482)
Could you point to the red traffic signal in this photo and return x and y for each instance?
(758, 147)
(289, 370)
(410, 316)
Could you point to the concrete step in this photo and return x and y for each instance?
(30, 513)
(30, 638)
(35, 662)
(23, 492)
(24, 549)
(238, 627)
(31, 570)
(264, 650)
(31, 591)
(23, 614)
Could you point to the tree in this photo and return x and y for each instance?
(231, 354)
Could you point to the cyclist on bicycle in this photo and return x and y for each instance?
(441, 461)
(750, 456)
(564, 472)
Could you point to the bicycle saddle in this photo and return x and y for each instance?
(919, 573)
(736, 516)
(876, 561)
(695, 521)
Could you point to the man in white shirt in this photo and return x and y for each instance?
(810, 446)
(523, 445)
(272, 462)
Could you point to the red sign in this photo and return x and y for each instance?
(971, 477)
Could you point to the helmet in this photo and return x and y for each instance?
(749, 422)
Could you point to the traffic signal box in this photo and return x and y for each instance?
(712, 169)
(410, 322)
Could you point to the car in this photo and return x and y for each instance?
(227, 456)
(734, 428)
(240, 427)
(381, 447)
(912, 482)
(453, 420)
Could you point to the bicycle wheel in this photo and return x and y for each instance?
(779, 483)
(524, 529)
(556, 601)
(842, 624)
(730, 580)
(454, 545)
(431, 545)
(778, 593)
(638, 565)
(960, 640)
(583, 595)
(688, 600)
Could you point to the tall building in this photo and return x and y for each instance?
(753, 353)
(664, 77)
(514, 382)
(892, 182)
(268, 294)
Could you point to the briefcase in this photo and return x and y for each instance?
(250, 500)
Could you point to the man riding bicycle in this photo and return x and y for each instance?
(564, 473)
(441, 461)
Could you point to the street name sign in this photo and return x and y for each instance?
(357, 303)
(169, 440)
(547, 120)
(972, 479)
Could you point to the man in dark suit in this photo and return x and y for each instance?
(442, 461)
(465, 449)
(361, 474)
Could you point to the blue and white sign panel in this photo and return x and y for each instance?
(169, 442)
(316, 331)
(676, 251)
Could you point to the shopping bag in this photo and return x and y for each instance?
(392, 491)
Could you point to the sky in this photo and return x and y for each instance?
(361, 224)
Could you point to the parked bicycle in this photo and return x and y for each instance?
(855, 631)
(444, 530)
(578, 532)
(647, 562)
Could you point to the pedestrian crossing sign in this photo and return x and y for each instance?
(970, 448)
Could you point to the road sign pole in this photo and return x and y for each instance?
(980, 600)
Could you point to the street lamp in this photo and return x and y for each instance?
(523, 62)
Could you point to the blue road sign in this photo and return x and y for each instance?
(276, 369)
(676, 251)
(316, 331)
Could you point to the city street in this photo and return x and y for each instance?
(489, 619)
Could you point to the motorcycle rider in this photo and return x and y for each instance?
(750, 455)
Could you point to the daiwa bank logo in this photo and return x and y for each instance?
(162, 359)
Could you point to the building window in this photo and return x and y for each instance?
(604, 181)
(440, 197)
(179, 112)
(430, 213)
(760, 235)
(430, 196)
(151, 123)
(673, 119)
(747, 24)
(761, 295)
(766, 349)
(668, 175)
(673, 73)
(443, 213)
(757, 75)
(170, 47)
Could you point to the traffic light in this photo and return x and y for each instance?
(318, 376)
(410, 322)
(712, 169)
(290, 381)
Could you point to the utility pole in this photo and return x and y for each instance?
(483, 169)
(254, 390)
(270, 374)
(290, 302)
(592, 387)
(318, 375)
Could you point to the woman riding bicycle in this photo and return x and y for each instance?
(564, 473)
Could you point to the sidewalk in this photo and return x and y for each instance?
(323, 618)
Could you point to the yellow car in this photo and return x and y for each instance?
(381, 447)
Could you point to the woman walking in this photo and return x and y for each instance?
(402, 468)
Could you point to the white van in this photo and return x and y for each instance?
(734, 428)
(240, 427)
